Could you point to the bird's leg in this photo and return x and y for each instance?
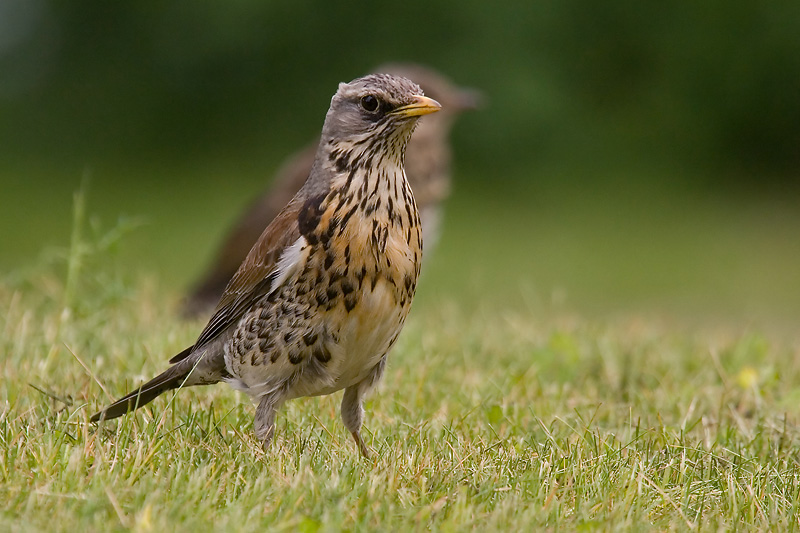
(353, 415)
(353, 411)
(264, 423)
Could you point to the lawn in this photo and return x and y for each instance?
(510, 401)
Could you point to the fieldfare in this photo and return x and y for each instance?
(322, 296)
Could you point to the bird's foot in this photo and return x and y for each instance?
(361, 446)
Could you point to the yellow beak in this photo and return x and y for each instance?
(420, 105)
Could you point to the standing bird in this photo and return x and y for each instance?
(322, 296)
(427, 166)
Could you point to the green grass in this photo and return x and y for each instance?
(492, 417)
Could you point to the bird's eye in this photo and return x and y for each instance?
(369, 103)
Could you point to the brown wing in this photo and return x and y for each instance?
(255, 275)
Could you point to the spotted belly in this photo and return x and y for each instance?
(366, 334)
(293, 345)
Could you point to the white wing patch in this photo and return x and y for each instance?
(291, 258)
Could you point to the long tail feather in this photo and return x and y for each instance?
(171, 379)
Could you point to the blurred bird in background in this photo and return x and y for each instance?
(428, 163)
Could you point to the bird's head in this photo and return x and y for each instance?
(375, 107)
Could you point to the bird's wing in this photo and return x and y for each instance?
(266, 267)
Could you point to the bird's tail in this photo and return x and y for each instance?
(170, 379)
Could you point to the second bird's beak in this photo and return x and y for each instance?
(420, 105)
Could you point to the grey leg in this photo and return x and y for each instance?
(264, 423)
(353, 415)
(352, 410)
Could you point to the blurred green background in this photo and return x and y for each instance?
(633, 157)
